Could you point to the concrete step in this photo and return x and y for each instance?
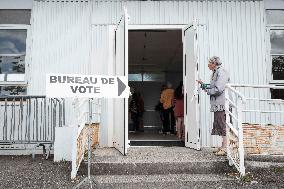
(148, 168)
(161, 181)
(156, 160)
(153, 129)
(156, 143)
(150, 136)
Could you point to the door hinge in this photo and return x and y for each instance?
(198, 98)
(186, 104)
(185, 64)
(186, 136)
(115, 42)
(187, 29)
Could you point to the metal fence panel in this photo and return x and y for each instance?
(30, 119)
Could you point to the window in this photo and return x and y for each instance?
(12, 57)
(12, 54)
(275, 27)
(277, 54)
(14, 16)
(156, 77)
(13, 90)
(14, 27)
(275, 17)
(277, 94)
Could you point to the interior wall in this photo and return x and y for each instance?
(159, 62)
(150, 92)
(174, 78)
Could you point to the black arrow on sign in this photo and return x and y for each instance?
(121, 86)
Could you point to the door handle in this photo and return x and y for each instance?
(195, 95)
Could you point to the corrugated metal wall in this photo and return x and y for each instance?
(235, 31)
(61, 42)
(102, 62)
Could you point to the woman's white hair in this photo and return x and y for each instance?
(215, 60)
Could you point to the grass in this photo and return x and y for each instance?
(247, 178)
(63, 161)
(279, 170)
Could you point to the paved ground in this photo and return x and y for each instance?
(23, 172)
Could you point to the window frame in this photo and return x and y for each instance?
(270, 55)
(26, 27)
(18, 27)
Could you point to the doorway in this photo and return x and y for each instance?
(155, 58)
(189, 51)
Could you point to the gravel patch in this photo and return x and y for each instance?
(23, 172)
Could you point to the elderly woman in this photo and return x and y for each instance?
(219, 79)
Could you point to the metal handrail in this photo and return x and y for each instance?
(234, 132)
(257, 86)
(230, 86)
(235, 128)
(270, 107)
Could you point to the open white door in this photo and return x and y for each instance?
(120, 139)
(190, 75)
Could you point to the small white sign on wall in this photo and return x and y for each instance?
(90, 86)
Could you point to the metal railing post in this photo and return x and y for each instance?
(227, 105)
(89, 154)
(89, 141)
(240, 137)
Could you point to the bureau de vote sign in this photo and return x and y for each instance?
(90, 86)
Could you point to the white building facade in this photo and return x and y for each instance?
(68, 36)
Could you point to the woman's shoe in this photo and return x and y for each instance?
(221, 152)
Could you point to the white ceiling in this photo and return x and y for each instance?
(162, 52)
